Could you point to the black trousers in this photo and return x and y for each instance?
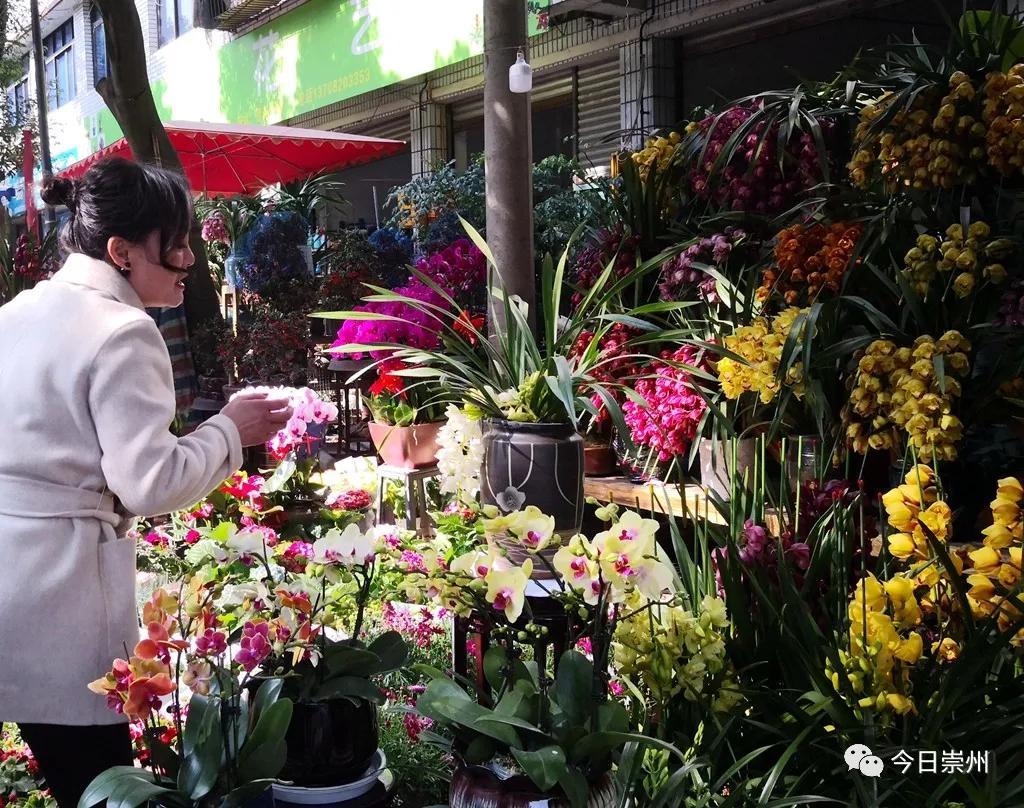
(70, 757)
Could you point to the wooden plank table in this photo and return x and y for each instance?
(654, 496)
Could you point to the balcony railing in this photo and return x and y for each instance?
(233, 15)
(565, 10)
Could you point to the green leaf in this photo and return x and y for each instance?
(263, 761)
(270, 728)
(542, 766)
(347, 660)
(575, 786)
(103, 784)
(479, 751)
(268, 693)
(246, 793)
(392, 651)
(351, 687)
(130, 792)
(197, 724)
(199, 771)
(573, 685)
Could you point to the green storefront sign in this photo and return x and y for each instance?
(322, 52)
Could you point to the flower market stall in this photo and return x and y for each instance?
(734, 518)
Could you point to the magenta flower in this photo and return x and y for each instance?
(411, 327)
(211, 643)
(668, 423)
(255, 645)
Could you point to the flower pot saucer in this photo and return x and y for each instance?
(357, 794)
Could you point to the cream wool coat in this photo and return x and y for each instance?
(86, 402)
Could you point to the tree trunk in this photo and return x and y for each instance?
(129, 97)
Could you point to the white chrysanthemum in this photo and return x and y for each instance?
(460, 454)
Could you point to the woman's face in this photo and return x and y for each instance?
(159, 281)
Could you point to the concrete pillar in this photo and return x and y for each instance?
(647, 88)
(508, 155)
(428, 141)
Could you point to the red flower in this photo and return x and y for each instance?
(388, 382)
(468, 327)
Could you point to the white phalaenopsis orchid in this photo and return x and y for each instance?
(350, 547)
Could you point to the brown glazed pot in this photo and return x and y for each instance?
(406, 447)
(479, 787)
(598, 460)
(534, 464)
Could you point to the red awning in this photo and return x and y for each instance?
(222, 159)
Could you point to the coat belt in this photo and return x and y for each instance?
(41, 499)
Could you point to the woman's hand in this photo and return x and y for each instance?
(257, 417)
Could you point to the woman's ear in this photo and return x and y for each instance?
(117, 252)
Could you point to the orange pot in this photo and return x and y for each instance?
(406, 447)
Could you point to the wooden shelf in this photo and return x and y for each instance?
(654, 496)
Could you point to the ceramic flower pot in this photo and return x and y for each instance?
(480, 787)
(330, 742)
(598, 460)
(724, 463)
(534, 464)
(406, 447)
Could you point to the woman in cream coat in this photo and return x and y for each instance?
(86, 402)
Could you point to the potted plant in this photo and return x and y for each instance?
(405, 418)
(531, 736)
(297, 607)
(522, 384)
(230, 746)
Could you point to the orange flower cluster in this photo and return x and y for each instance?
(809, 260)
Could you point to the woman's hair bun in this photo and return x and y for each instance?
(59, 191)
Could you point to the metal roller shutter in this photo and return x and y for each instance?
(546, 90)
(598, 113)
(396, 128)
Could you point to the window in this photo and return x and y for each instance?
(58, 51)
(99, 45)
(174, 18)
(18, 102)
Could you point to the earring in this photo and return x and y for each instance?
(126, 270)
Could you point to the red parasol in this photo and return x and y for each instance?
(222, 159)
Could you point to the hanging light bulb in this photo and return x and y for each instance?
(520, 75)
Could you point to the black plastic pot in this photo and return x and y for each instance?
(330, 742)
(534, 464)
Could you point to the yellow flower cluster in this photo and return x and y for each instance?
(671, 650)
(900, 389)
(996, 569)
(913, 508)
(657, 152)
(976, 257)
(760, 345)
(936, 143)
(883, 645)
(1003, 113)
(889, 621)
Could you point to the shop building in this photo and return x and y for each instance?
(605, 73)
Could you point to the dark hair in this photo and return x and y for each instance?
(118, 197)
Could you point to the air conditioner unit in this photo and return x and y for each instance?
(565, 10)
